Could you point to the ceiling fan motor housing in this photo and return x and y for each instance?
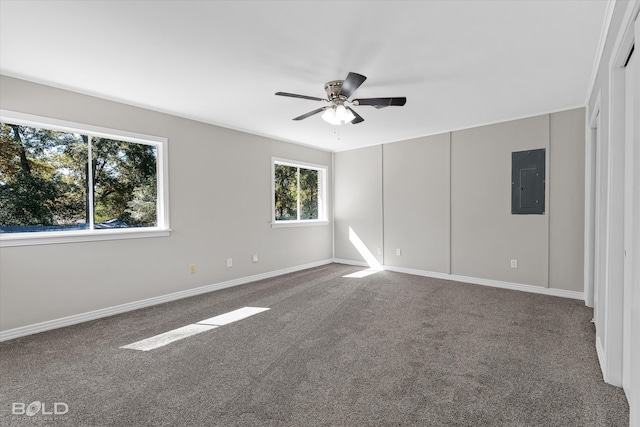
(338, 94)
(333, 91)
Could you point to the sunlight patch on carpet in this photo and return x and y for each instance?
(165, 338)
(363, 273)
(168, 337)
(232, 316)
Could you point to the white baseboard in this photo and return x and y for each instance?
(475, 280)
(601, 358)
(122, 308)
(351, 262)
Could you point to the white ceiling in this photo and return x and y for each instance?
(459, 63)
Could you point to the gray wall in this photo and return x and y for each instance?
(485, 236)
(447, 202)
(210, 221)
(417, 203)
(358, 202)
(566, 224)
(414, 195)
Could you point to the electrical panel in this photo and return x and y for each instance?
(528, 182)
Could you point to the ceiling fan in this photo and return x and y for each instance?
(339, 110)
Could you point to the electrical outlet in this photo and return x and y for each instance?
(229, 262)
(192, 269)
(398, 252)
(379, 251)
(514, 263)
(254, 258)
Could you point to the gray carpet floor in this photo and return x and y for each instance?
(386, 350)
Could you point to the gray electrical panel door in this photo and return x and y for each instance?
(528, 181)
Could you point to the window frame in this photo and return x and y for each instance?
(162, 174)
(323, 194)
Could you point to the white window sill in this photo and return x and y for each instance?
(56, 237)
(308, 223)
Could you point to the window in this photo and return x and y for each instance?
(61, 181)
(299, 193)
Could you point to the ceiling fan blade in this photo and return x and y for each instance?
(351, 83)
(293, 95)
(310, 113)
(381, 102)
(358, 119)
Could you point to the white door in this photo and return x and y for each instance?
(631, 350)
(591, 158)
(600, 237)
(628, 213)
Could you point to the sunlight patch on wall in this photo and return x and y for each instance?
(370, 259)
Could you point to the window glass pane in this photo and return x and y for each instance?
(308, 194)
(286, 192)
(42, 180)
(124, 184)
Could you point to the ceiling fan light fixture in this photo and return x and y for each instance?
(338, 94)
(337, 115)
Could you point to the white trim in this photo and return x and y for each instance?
(350, 262)
(90, 179)
(162, 178)
(67, 126)
(135, 305)
(593, 115)
(601, 358)
(296, 163)
(323, 193)
(631, 376)
(593, 127)
(472, 126)
(333, 206)
(302, 223)
(57, 237)
(601, 42)
(423, 273)
(474, 280)
(631, 73)
(609, 319)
